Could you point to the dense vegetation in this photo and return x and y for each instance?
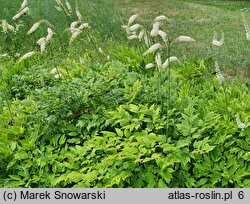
(99, 110)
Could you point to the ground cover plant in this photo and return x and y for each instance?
(112, 100)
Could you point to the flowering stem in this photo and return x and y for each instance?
(94, 44)
(169, 75)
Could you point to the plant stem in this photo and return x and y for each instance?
(39, 8)
(169, 80)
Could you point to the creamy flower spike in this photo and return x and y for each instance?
(50, 34)
(141, 34)
(240, 124)
(153, 48)
(154, 31)
(132, 19)
(23, 5)
(133, 37)
(11, 28)
(218, 74)
(84, 25)
(160, 18)
(146, 40)
(7, 27)
(27, 55)
(59, 3)
(77, 31)
(78, 13)
(158, 60)
(4, 26)
(184, 38)
(34, 27)
(72, 30)
(58, 8)
(74, 24)
(169, 60)
(216, 41)
(69, 7)
(54, 71)
(74, 35)
(220, 77)
(18, 15)
(100, 50)
(163, 35)
(149, 65)
(42, 43)
(134, 27)
(57, 76)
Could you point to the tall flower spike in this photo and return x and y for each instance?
(216, 41)
(68, 6)
(50, 34)
(146, 39)
(152, 49)
(158, 60)
(84, 25)
(155, 29)
(4, 26)
(58, 8)
(27, 55)
(24, 4)
(34, 27)
(59, 3)
(169, 60)
(184, 38)
(149, 65)
(163, 35)
(18, 15)
(42, 43)
(133, 37)
(218, 74)
(74, 24)
(134, 27)
(74, 35)
(160, 18)
(100, 50)
(141, 34)
(78, 13)
(57, 76)
(241, 125)
(54, 71)
(132, 19)
(11, 28)
(217, 67)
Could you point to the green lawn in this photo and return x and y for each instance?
(199, 19)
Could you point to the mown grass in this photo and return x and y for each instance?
(234, 5)
(200, 19)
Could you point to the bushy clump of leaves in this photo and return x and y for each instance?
(113, 126)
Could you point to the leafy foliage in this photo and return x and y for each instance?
(107, 128)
